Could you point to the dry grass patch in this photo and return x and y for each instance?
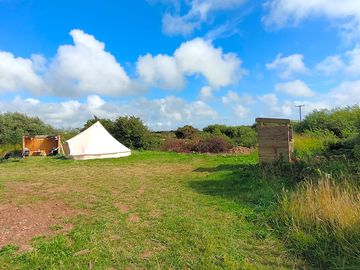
(324, 202)
(322, 223)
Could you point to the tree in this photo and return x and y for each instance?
(107, 123)
(14, 125)
(132, 132)
(186, 132)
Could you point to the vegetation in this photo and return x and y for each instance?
(129, 130)
(239, 135)
(312, 143)
(14, 125)
(322, 223)
(342, 122)
(152, 210)
(203, 144)
(169, 210)
(186, 132)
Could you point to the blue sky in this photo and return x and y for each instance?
(174, 62)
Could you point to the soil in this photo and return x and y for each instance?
(19, 224)
(122, 207)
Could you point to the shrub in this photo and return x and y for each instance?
(132, 132)
(343, 122)
(239, 135)
(212, 144)
(186, 132)
(178, 145)
(321, 221)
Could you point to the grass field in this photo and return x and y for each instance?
(149, 211)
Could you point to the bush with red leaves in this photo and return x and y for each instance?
(178, 145)
(213, 144)
(207, 144)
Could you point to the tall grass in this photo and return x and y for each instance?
(322, 223)
(4, 148)
(309, 143)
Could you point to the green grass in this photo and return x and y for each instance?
(310, 144)
(177, 211)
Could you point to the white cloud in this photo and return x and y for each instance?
(165, 113)
(32, 101)
(346, 13)
(86, 67)
(353, 66)
(295, 88)
(206, 93)
(161, 71)
(198, 13)
(288, 66)
(346, 93)
(274, 107)
(18, 73)
(231, 97)
(330, 65)
(200, 57)
(240, 111)
(348, 63)
(269, 99)
(173, 25)
(194, 57)
(237, 103)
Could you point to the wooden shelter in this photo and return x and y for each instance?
(40, 145)
(275, 139)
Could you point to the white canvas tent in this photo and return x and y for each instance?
(95, 142)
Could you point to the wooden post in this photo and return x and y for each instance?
(23, 145)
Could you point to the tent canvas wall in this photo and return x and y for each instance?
(95, 142)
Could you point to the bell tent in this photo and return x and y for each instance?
(95, 142)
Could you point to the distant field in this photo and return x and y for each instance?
(152, 210)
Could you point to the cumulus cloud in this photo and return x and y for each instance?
(237, 103)
(233, 97)
(201, 57)
(346, 93)
(86, 67)
(240, 111)
(206, 92)
(76, 70)
(165, 113)
(288, 65)
(18, 73)
(330, 65)
(198, 13)
(161, 71)
(194, 57)
(348, 63)
(295, 88)
(353, 66)
(275, 107)
(345, 13)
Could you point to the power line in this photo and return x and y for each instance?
(300, 106)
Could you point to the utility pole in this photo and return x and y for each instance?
(300, 106)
